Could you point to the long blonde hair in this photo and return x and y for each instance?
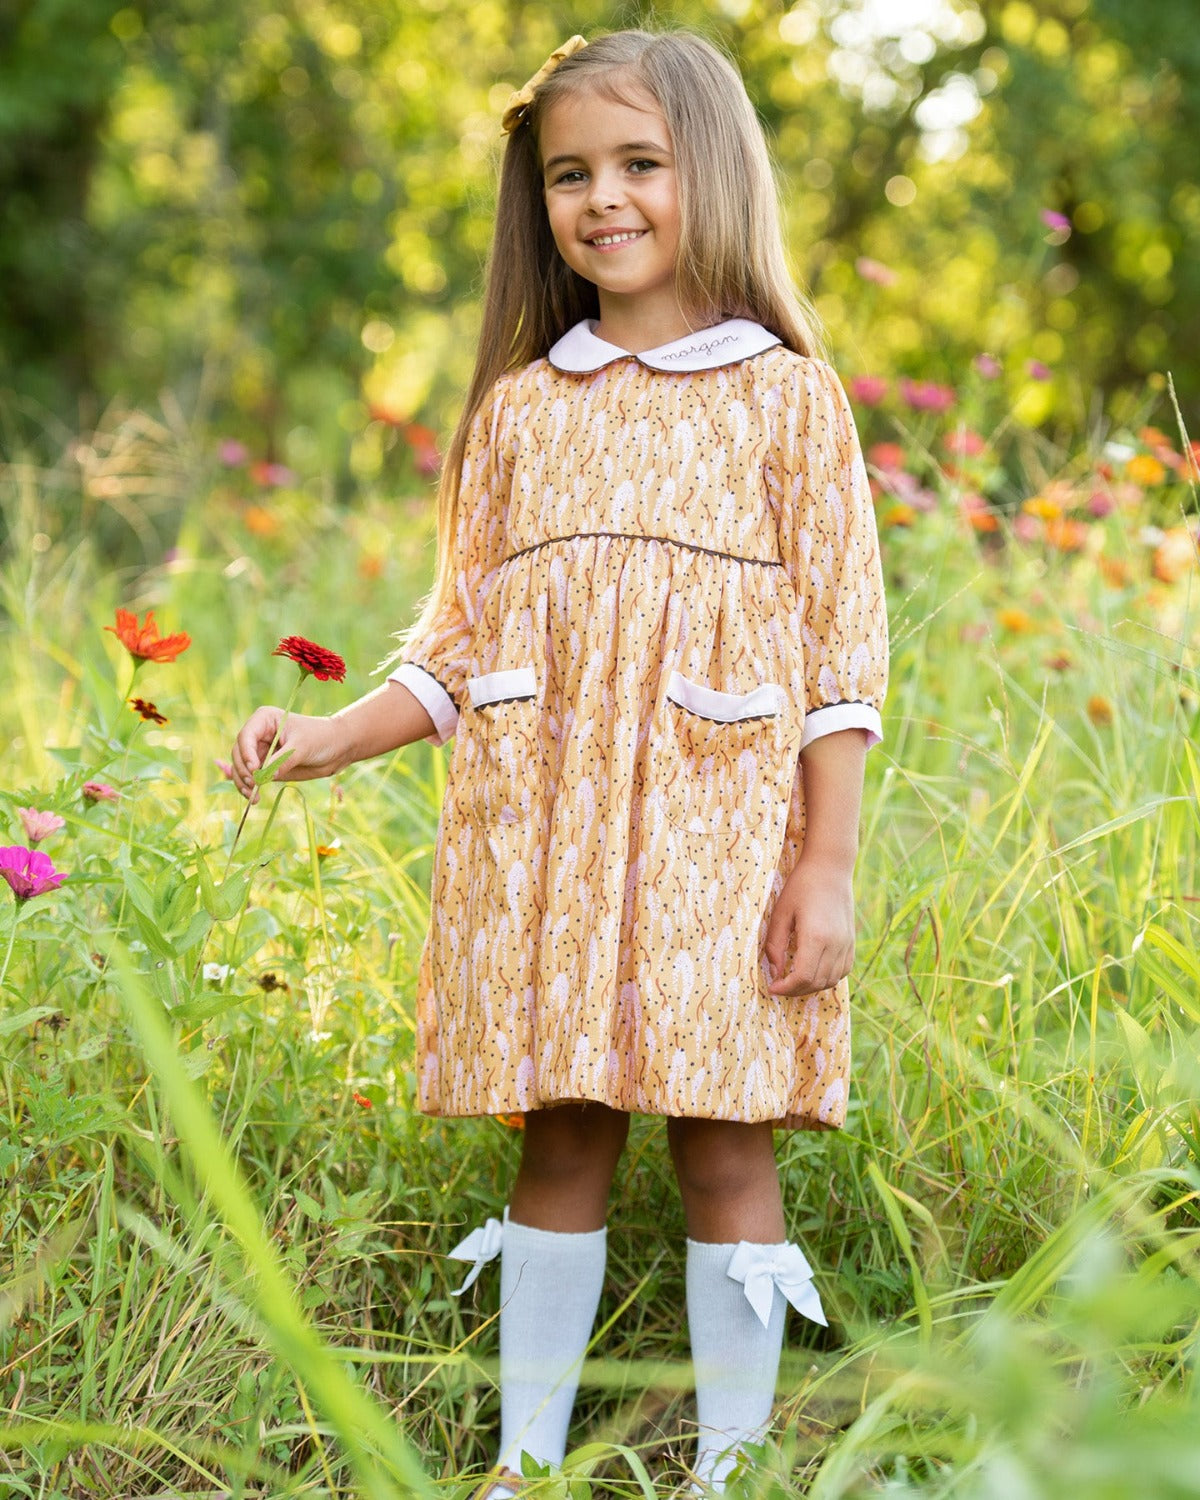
(732, 262)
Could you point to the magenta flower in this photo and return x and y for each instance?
(1038, 371)
(28, 872)
(1056, 221)
(924, 395)
(232, 453)
(39, 825)
(868, 390)
(987, 366)
(875, 270)
(1100, 504)
(100, 791)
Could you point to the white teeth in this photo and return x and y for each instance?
(616, 239)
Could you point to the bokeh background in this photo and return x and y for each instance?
(280, 211)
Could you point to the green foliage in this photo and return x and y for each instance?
(295, 201)
(225, 1225)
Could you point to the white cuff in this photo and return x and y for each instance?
(836, 716)
(432, 696)
(762, 1268)
(480, 1246)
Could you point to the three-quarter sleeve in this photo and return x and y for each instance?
(830, 548)
(435, 667)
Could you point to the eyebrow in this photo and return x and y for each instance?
(651, 146)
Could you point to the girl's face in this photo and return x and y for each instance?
(612, 199)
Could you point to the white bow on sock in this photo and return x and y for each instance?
(550, 1286)
(737, 1298)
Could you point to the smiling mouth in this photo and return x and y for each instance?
(604, 241)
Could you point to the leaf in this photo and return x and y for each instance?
(24, 1018)
(266, 773)
(225, 901)
(208, 1007)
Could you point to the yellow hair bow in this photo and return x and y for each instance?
(519, 102)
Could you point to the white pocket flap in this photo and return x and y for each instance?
(763, 700)
(494, 687)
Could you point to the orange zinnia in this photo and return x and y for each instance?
(143, 642)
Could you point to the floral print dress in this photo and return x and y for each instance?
(667, 583)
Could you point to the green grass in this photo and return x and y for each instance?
(223, 1274)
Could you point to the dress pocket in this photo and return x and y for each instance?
(498, 772)
(731, 758)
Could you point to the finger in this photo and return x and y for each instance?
(807, 967)
(778, 938)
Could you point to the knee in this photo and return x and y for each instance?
(720, 1158)
(573, 1141)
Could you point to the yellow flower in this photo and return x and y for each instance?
(900, 515)
(1043, 507)
(1144, 469)
(1099, 710)
(1015, 620)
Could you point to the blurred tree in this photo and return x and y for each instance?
(287, 202)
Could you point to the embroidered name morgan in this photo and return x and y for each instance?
(693, 349)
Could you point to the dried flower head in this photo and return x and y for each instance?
(143, 642)
(148, 711)
(314, 660)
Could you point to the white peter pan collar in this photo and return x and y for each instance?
(580, 351)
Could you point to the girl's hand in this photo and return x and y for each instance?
(316, 746)
(815, 916)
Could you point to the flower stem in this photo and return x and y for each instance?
(12, 937)
(278, 735)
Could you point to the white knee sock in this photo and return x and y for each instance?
(737, 1298)
(550, 1286)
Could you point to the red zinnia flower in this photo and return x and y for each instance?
(148, 711)
(361, 1100)
(28, 871)
(143, 642)
(325, 666)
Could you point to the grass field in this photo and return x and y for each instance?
(224, 1226)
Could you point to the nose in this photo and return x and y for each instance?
(605, 192)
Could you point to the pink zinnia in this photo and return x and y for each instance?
(964, 441)
(868, 390)
(29, 872)
(1100, 504)
(1054, 220)
(925, 395)
(1039, 371)
(875, 270)
(987, 365)
(99, 791)
(232, 453)
(39, 825)
(271, 476)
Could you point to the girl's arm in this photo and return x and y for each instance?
(815, 910)
(381, 721)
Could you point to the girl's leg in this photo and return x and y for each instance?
(552, 1271)
(730, 1189)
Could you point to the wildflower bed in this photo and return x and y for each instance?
(225, 1227)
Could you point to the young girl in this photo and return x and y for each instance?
(658, 638)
